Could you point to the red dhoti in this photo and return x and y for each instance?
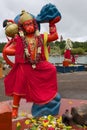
(37, 85)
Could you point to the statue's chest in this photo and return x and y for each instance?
(32, 44)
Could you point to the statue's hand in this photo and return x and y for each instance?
(55, 20)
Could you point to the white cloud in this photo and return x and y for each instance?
(72, 25)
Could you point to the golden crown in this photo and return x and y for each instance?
(24, 17)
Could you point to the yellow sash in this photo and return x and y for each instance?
(45, 46)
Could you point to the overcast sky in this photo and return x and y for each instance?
(73, 24)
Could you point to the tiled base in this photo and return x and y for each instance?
(5, 117)
(25, 110)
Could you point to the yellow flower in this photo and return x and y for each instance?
(84, 126)
(68, 127)
(45, 123)
(23, 114)
(49, 117)
(59, 120)
(27, 122)
(53, 125)
(33, 120)
(18, 124)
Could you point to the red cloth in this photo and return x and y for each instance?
(73, 59)
(67, 54)
(37, 85)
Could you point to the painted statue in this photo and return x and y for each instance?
(68, 57)
(32, 76)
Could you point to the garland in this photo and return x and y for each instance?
(44, 123)
(37, 46)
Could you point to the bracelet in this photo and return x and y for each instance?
(14, 106)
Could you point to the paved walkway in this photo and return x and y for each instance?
(73, 85)
(70, 85)
(25, 110)
(72, 88)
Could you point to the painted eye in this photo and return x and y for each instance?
(26, 25)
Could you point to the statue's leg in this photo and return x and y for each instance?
(16, 100)
(51, 108)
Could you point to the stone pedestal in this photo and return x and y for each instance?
(79, 114)
(5, 117)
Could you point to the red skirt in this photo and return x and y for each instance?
(37, 85)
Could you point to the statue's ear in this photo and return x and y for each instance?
(5, 23)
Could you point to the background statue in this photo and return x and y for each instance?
(69, 58)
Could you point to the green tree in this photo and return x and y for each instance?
(1, 46)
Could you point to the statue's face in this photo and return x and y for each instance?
(29, 26)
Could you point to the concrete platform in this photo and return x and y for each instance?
(72, 68)
(70, 85)
(25, 110)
